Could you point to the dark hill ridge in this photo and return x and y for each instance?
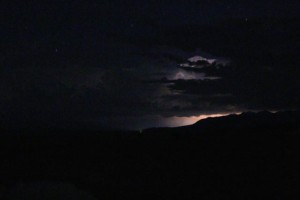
(284, 121)
(261, 121)
(245, 156)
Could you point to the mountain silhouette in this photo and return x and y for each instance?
(264, 121)
(244, 156)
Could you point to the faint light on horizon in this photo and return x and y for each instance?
(184, 121)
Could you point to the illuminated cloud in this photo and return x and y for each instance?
(200, 58)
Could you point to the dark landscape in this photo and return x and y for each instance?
(247, 156)
(147, 99)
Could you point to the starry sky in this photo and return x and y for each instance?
(137, 64)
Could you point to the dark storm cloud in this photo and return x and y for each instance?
(75, 60)
(250, 87)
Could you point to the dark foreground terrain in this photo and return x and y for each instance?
(251, 156)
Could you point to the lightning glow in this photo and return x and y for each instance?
(184, 121)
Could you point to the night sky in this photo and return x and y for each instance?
(137, 64)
